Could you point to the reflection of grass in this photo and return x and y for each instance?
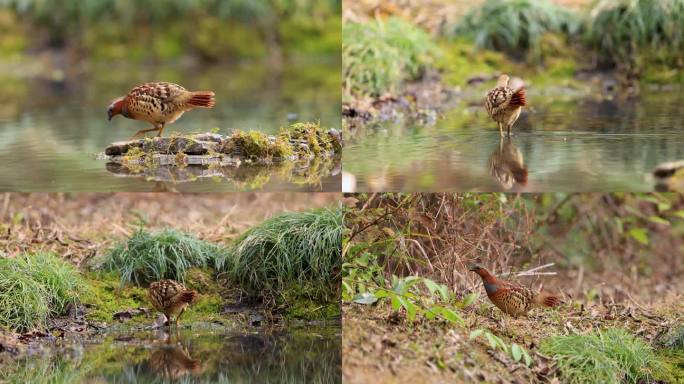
(296, 247)
(150, 256)
(377, 57)
(606, 356)
(34, 287)
(57, 369)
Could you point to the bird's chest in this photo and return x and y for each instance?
(153, 110)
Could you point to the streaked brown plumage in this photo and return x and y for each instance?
(504, 105)
(512, 298)
(159, 104)
(506, 164)
(170, 297)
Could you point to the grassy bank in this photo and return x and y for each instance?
(539, 41)
(289, 264)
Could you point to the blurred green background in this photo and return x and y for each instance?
(270, 62)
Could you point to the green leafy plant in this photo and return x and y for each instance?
(603, 356)
(166, 254)
(34, 287)
(418, 296)
(516, 352)
(291, 248)
(377, 57)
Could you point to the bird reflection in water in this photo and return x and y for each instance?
(506, 164)
(171, 360)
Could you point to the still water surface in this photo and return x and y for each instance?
(311, 355)
(51, 131)
(566, 145)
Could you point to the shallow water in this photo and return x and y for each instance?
(569, 145)
(310, 355)
(51, 131)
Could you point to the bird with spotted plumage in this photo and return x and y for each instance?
(159, 104)
(171, 298)
(504, 105)
(512, 298)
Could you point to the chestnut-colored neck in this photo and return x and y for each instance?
(486, 276)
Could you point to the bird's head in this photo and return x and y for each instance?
(475, 267)
(115, 108)
(503, 80)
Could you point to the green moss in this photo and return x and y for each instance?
(105, 297)
(300, 304)
(202, 280)
(461, 60)
(256, 145)
(205, 308)
(319, 141)
(673, 362)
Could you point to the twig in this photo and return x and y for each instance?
(533, 271)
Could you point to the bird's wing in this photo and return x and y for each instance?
(497, 99)
(154, 98)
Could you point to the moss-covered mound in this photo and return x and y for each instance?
(300, 141)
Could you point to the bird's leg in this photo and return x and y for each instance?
(161, 128)
(508, 130)
(500, 128)
(143, 131)
(179, 316)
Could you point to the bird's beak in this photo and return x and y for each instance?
(109, 114)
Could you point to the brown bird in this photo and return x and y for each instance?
(512, 298)
(170, 297)
(504, 105)
(159, 104)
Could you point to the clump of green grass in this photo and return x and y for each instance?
(292, 248)
(516, 27)
(604, 356)
(166, 254)
(377, 57)
(621, 29)
(34, 287)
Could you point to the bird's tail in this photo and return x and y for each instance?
(188, 296)
(520, 175)
(201, 99)
(518, 98)
(547, 299)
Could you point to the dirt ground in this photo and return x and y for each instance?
(79, 226)
(379, 348)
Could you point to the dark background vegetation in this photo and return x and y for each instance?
(154, 30)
